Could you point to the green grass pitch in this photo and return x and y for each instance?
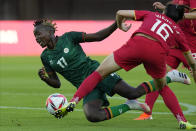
(23, 96)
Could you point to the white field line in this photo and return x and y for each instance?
(31, 94)
(190, 108)
(80, 110)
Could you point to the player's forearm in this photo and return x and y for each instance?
(191, 63)
(190, 60)
(191, 15)
(123, 15)
(106, 32)
(119, 19)
(52, 82)
(193, 66)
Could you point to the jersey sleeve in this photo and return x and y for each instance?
(140, 14)
(77, 37)
(181, 2)
(193, 4)
(190, 3)
(46, 65)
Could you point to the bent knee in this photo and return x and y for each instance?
(93, 111)
(93, 117)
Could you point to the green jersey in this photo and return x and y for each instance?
(69, 59)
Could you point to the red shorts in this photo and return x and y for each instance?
(140, 50)
(175, 57)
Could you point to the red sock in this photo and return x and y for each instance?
(172, 103)
(150, 100)
(87, 86)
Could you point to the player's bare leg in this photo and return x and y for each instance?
(125, 90)
(94, 111)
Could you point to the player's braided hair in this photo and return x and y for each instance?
(47, 23)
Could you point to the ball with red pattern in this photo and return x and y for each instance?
(55, 102)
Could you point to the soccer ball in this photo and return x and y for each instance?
(55, 102)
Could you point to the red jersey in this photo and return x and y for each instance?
(162, 28)
(189, 26)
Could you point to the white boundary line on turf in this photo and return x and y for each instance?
(80, 110)
(190, 108)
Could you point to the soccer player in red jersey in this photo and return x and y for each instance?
(188, 25)
(149, 46)
(175, 57)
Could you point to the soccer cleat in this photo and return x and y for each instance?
(70, 107)
(60, 113)
(135, 105)
(186, 125)
(144, 116)
(177, 76)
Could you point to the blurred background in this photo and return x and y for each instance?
(16, 22)
(23, 94)
(68, 9)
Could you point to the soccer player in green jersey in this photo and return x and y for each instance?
(64, 55)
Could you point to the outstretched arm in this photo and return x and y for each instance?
(191, 63)
(102, 34)
(159, 5)
(190, 15)
(122, 16)
(52, 79)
